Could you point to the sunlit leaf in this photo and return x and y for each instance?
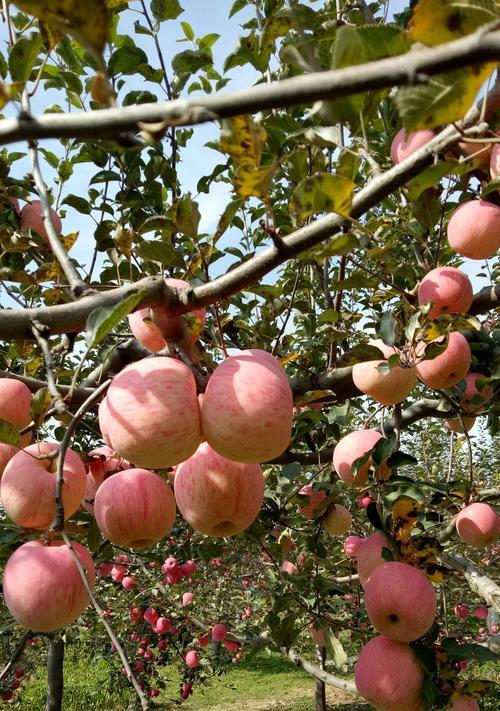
(243, 139)
(436, 21)
(102, 320)
(187, 216)
(404, 516)
(254, 181)
(322, 192)
(9, 433)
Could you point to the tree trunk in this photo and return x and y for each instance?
(55, 685)
(320, 685)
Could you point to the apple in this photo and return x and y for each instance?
(404, 145)
(386, 388)
(350, 448)
(231, 646)
(449, 367)
(170, 564)
(474, 229)
(42, 587)
(495, 161)
(219, 632)
(449, 290)
(464, 703)
(400, 601)
(188, 568)
(369, 556)
(32, 219)
(478, 525)
(187, 598)
(28, 484)
(481, 612)
(103, 462)
(247, 408)
(455, 425)
(364, 501)
(7, 451)
(186, 690)
(217, 496)
(338, 521)
(15, 402)
(153, 400)
(474, 396)
(388, 675)
(135, 508)
(461, 611)
(290, 568)
(129, 582)
(315, 499)
(352, 545)
(163, 625)
(154, 327)
(317, 634)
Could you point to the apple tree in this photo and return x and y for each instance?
(250, 354)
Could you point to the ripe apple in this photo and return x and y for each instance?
(188, 568)
(169, 565)
(474, 229)
(143, 323)
(455, 425)
(495, 161)
(461, 611)
(42, 586)
(449, 367)
(464, 703)
(32, 219)
(338, 521)
(187, 598)
(247, 409)
(28, 485)
(400, 601)
(364, 501)
(386, 388)
(449, 290)
(369, 556)
(193, 659)
(135, 508)
(162, 625)
(404, 145)
(481, 612)
(350, 448)
(15, 402)
(219, 632)
(217, 496)
(315, 498)
(129, 582)
(317, 634)
(388, 675)
(352, 545)
(475, 396)
(152, 400)
(290, 568)
(478, 525)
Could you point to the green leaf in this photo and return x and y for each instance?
(322, 192)
(191, 60)
(400, 459)
(105, 176)
(431, 176)
(93, 537)
(188, 30)
(443, 99)
(226, 218)
(9, 433)
(335, 649)
(102, 320)
(78, 203)
(65, 170)
(468, 651)
(39, 406)
(23, 56)
(166, 9)
(162, 252)
(237, 6)
(387, 329)
(291, 471)
(187, 216)
(492, 187)
(126, 60)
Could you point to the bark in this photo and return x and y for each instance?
(478, 582)
(320, 695)
(55, 683)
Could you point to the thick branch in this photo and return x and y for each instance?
(411, 68)
(477, 580)
(320, 674)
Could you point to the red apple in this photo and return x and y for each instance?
(352, 545)
(461, 611)
(32, 219)
(135, 508)
(289, 567)
(219, 632)
(455, 425)
(153, 400)
(481, 612)
(352, 447)
(475, 395)
(42, 587)
(403, 144)
(369, 556)
(217, 496)
(400, 601)
(474, 229)
(464, 703)
(478, 525)
(28, 485)
(317, 634)
(388, 675)
(495, 161)
(247, 409)
(449, 367)
(387, 388)
(449, 290)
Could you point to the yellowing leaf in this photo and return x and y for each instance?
(322, 193)
(253, 180)
(404, 516)
(9, 92)
(436, 21)
(243, 140)
(445, 98)
(114, 3)
(51, 35)
(422, 552)
(87, 21)
(68, 241)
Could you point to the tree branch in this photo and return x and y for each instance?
(412, 68)
(477, 580)
(320, 674)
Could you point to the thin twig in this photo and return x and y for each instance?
(18, 650)
(58, 521)
(39, 332)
